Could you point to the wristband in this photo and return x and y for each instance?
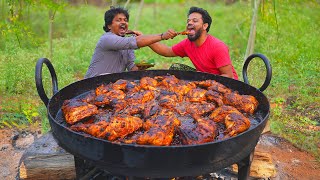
(161, 36)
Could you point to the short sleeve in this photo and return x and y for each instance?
(179, 50)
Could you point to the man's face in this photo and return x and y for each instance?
(119, 25)
(195, 26)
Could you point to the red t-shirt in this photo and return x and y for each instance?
(208, 57)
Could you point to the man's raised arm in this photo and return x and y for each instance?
(162, 49)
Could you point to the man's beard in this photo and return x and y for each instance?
(196, 35)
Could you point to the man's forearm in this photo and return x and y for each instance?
(162, 49)
(146, 40)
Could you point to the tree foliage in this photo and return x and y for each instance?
(15, 20)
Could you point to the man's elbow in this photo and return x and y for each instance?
(228, 75)
(167, 53)
(160, 52)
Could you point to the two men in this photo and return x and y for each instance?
(114, 52)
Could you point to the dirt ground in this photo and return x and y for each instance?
(290, 162)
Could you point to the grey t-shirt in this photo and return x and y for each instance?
(112, 54)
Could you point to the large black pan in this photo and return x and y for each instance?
(152, 161)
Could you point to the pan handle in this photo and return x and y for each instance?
(38, 78)
(268, 68)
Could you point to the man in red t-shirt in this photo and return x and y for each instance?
(207, 53)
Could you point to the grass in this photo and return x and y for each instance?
(289, 37)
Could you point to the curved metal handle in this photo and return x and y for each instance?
(38, 78)
(268, 68)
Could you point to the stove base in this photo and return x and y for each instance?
(87, 171)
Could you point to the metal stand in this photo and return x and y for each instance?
(87, 171)
(244, 167)
(82, 167)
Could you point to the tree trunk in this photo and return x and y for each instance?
(126, 4)
(114, 2)
(228, 2)
(51, 18)
(138, 15)
(45, 159)
(252, 35)
(155, 10)
(3, 13)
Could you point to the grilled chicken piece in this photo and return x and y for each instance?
(166, 112)
(236, 123)
(120, 84)
(168, 99)
(148, 83)
(205, 83)
(215, 97)
(183, 33)
(219, 114)
(168, 81)
(118, 104)
(151, 108)
(103, 89)
(182, 88)
(96, 129)
(132, 87)
(200, 109)
(159, 130)
(96, 125)
(121, 126)
(105, 99)
(140, 97)
(181, 108)
(102, 115)
(129, 87)
(134, 109)
(75, 110)
(196, 95)
(213, 85)
(198, 131)
(220, 88)
(90, 97)
(118, 127)
(234, 120)
(244, 103)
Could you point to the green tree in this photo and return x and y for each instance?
(52, 6)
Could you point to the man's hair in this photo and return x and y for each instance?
(111, 13)
(205, 15)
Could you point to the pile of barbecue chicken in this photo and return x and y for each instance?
(160, 111)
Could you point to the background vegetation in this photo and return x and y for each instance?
(287, 33)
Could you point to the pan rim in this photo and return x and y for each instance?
(93, 79)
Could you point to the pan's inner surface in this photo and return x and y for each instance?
(255, 119)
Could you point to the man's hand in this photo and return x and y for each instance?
(170, 34)
(137, 33)
(134, 68)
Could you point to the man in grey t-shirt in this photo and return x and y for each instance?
(114, 51)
